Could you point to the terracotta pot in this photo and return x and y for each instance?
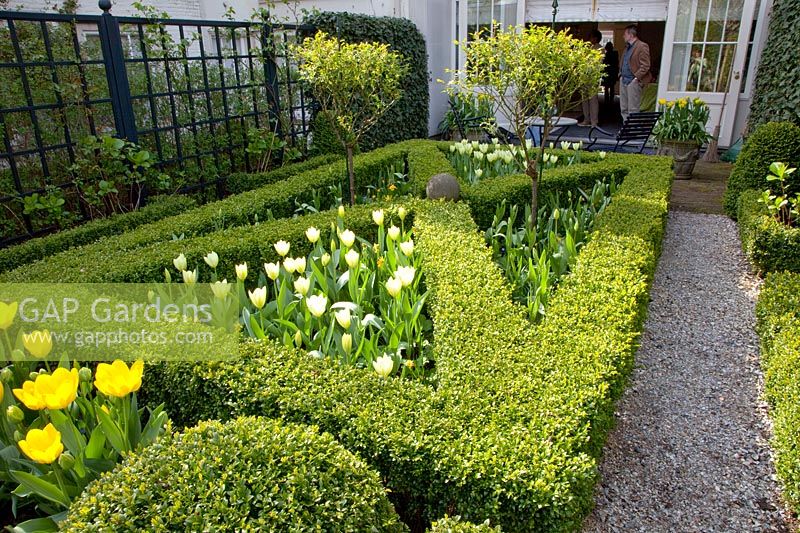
(684, 155)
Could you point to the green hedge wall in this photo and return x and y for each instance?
(770, 245)
(42, 247)
(243, 181)
(513, 430)
(408, 118)
(778, 325)
(777, 141)
(250, 474)
(777, 90)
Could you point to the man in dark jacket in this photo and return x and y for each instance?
(635, 72)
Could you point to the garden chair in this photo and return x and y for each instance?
(466, 125)
(634, 133)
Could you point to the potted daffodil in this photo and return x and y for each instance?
(681, 132)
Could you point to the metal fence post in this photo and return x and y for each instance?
(271, 73)
(118, 87)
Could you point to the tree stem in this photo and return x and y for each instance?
(351, 174)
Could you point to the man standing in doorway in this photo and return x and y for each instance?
(635, 72)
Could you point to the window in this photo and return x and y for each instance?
(482, 13)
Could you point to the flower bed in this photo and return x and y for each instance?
(770, 245)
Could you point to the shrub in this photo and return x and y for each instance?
(248, 474)
(324, 140)
(408, 118)
(778, 141)
(769, 244)
(243, 181)
(777, 93)
(42, 247)
(778, 325)
(456, 525)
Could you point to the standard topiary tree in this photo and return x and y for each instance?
(249, 474)
(355, 84)
(530, 72)
(775, 141)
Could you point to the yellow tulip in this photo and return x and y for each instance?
(38, 343)
(54, 391)
(42, 445)
(117, 379)
(7, 314)
(662, 101)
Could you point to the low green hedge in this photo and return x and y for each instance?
(250, 474)
(243, 181)
(515, 425)
(456, 525)
(778, 325)
(41, 247)
(770, 245)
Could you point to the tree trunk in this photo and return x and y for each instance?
(533, 172)
(351, 175)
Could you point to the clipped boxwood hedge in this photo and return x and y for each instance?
(770, 245)
(456, 525)
(778, 325)
(243, 181)
(513, 430)
(776, 141)
(408, 118)
(250, 474)
(42, 247)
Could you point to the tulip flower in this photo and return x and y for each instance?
(348, 238)
(401, 212)
(211, 259)
(340, 211)
(351, 258)
(167, 276)
(602, 155)
(273, 270)
(221, 289)
(42, 445)
(405, 274)
(383, 365)
(180, 263)
(407, 247)
(241, 272)
(312, 234)
(479, 173)
(325, 259)
(117, 380)
(317, 304)
(55, 391)
(7, 314)
(347, 343)
(15, 414)
(565, 145)
(393, 287)
(377, 217)
(29, 397)
(393, 233)
(258, 297)
(554, 159)
(300, 265)
(190, 276)
(282, 247)
(484, 148)
(298, 338)
(289, 265)
(343, 318)
(38, 343)
(301, 285)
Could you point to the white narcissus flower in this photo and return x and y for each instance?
(393, 287)
(325, 259)
(273, 270)
(221, 289)
(211, 259)
(377, 217)
(383, 365)
(300, 265)
(180, 263)
(407, 247)
(347, 343)
(301, 285)
(343, 318)
(317, 304)
(282, 247)
(393, 233)
(312, 234)
(241, 272)
(348, 238)
(258, 297)
(351, 258)
(405, 274)
(401, 212)
(190, 276)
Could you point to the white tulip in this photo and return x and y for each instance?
(351, 258)
(190, 276)
(312, 234)
(180, 263)
(343, 318)
(452, 148)
(258, 297)
(383, 365)
(393, 287)
(565, 145)
(325, 259)
(273, 270)
(405, 274)
(407, 247)
(348, 238)
(479, 173)
(492, 157)
(289, 265)
(377, 217)
(340, 211)
(317, 304)
(484, 148)
(241, 271)
(298, 338)
(347, 343)
(602, 155)
(401, 212)
(300, 265)
(301, 285)
(221, 289)
(393, 233)
(479, 156)
(282, 247)
(211, 259)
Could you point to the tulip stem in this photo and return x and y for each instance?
(8, 341)
(60, 478)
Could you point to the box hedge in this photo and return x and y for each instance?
(42, 247)
(514, 427)
(776, 141)
(249, 474)
(769, 244)
(778, 325)
(243, 181)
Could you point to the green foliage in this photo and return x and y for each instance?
(249, 474)
(785, 208)
(473, 109)
(776, 95)
(325, 140)
(246, 181)
(42, 247)
(408, 118)
(770, 245)
(778, 326)
(682, 120)
(454, 524)
(778, 141)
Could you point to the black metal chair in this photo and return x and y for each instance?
(634, 133)
(465, 125)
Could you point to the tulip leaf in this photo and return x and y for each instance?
(255, 328)
(35, 525)
(41, 487)
(96, 445)
(112, 432)
(73, 440)
(134, 422)
(153, 427)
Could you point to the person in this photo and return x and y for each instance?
(611, 61)
(591, 105)
(635, 72)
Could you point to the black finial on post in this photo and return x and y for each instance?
(105, 5)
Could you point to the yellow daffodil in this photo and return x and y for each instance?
(383, 365)
(662, 101)
(282, 247)
(38, 343)
(698, 101)
(312, 234)
(406, 275)
(117, 379)
(221, 289)
(273, 270)
(241, 272)
(42, 445)
(317, 304)
(7, 314)
(211, 259)
(258, 297)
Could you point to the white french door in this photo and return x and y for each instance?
(706, 47)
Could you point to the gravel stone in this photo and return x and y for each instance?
(690, 451)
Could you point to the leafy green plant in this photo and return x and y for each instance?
(785, 208)
(49, 207)
(473, 110)
(682, 120)
(266, 145)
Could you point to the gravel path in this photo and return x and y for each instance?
(690, 450)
